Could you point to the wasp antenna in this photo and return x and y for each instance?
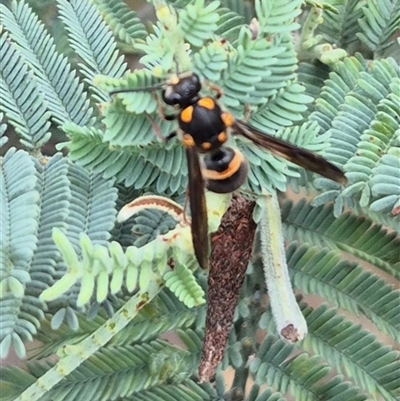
(145, 89)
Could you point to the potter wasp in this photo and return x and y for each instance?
(203, 129)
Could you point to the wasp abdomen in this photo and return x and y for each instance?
(225, 170)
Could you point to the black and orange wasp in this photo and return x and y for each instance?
(204, 128)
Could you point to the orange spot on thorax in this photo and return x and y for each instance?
(207, 103)
(187, 114)
(227, 119)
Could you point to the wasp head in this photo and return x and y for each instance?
(182, 90)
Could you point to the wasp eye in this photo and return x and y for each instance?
(171, 98)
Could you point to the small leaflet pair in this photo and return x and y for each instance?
(203, 128)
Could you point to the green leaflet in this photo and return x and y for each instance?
(122, 20)
(270, 366)
(79, 209)
(22, 102)
(181, 282)
(346, 285)
(20, 211)
(198, 21)
(379, 22)
(43, 60)
(91, 40)
(357, 235)
(357, 108)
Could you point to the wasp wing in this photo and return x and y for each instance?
(299, 156)
(198, 208)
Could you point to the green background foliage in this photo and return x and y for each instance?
(322, 75)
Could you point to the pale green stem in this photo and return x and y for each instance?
(74, 355)
(288, 318)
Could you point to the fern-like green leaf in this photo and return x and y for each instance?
(137, 102)
(247, 66)
(120, 371)
(51, 70)
(129, 363)
(92, 206)
(210, 61)
(353, 351)
(14, 380)
(164, 314)
(188, 390)
(78, 210)
(184, 285)
(18, 243)
(51, 340)
(127, 129)
(229, 24)
(278, 16)
(92, 42)
(268, 171)
(244, 9)
(124, 22)
(147, 225)
(380, 21)
(357, 107)
(91, 211)
(22, 102)
(283, 110)
(161, 166)
(313, 78)
(256, 394)
(358, 236)
(303, 375)
(198, 22)
(52, 187)
(346, 285)
(384, 184)
(340, 28)
(333, 95)
(192, 339)
(3, 128)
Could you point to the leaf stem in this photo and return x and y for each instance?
(75, 355)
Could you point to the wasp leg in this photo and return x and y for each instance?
(247, 113)
(160, 106)
(218, 91)
(170, 136)
(155, 127)
(185, 205)
(161, 110)
(169, 117)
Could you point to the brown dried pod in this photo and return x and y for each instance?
(231, 251)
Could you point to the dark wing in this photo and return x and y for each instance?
(198, 208)
(299, 156)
